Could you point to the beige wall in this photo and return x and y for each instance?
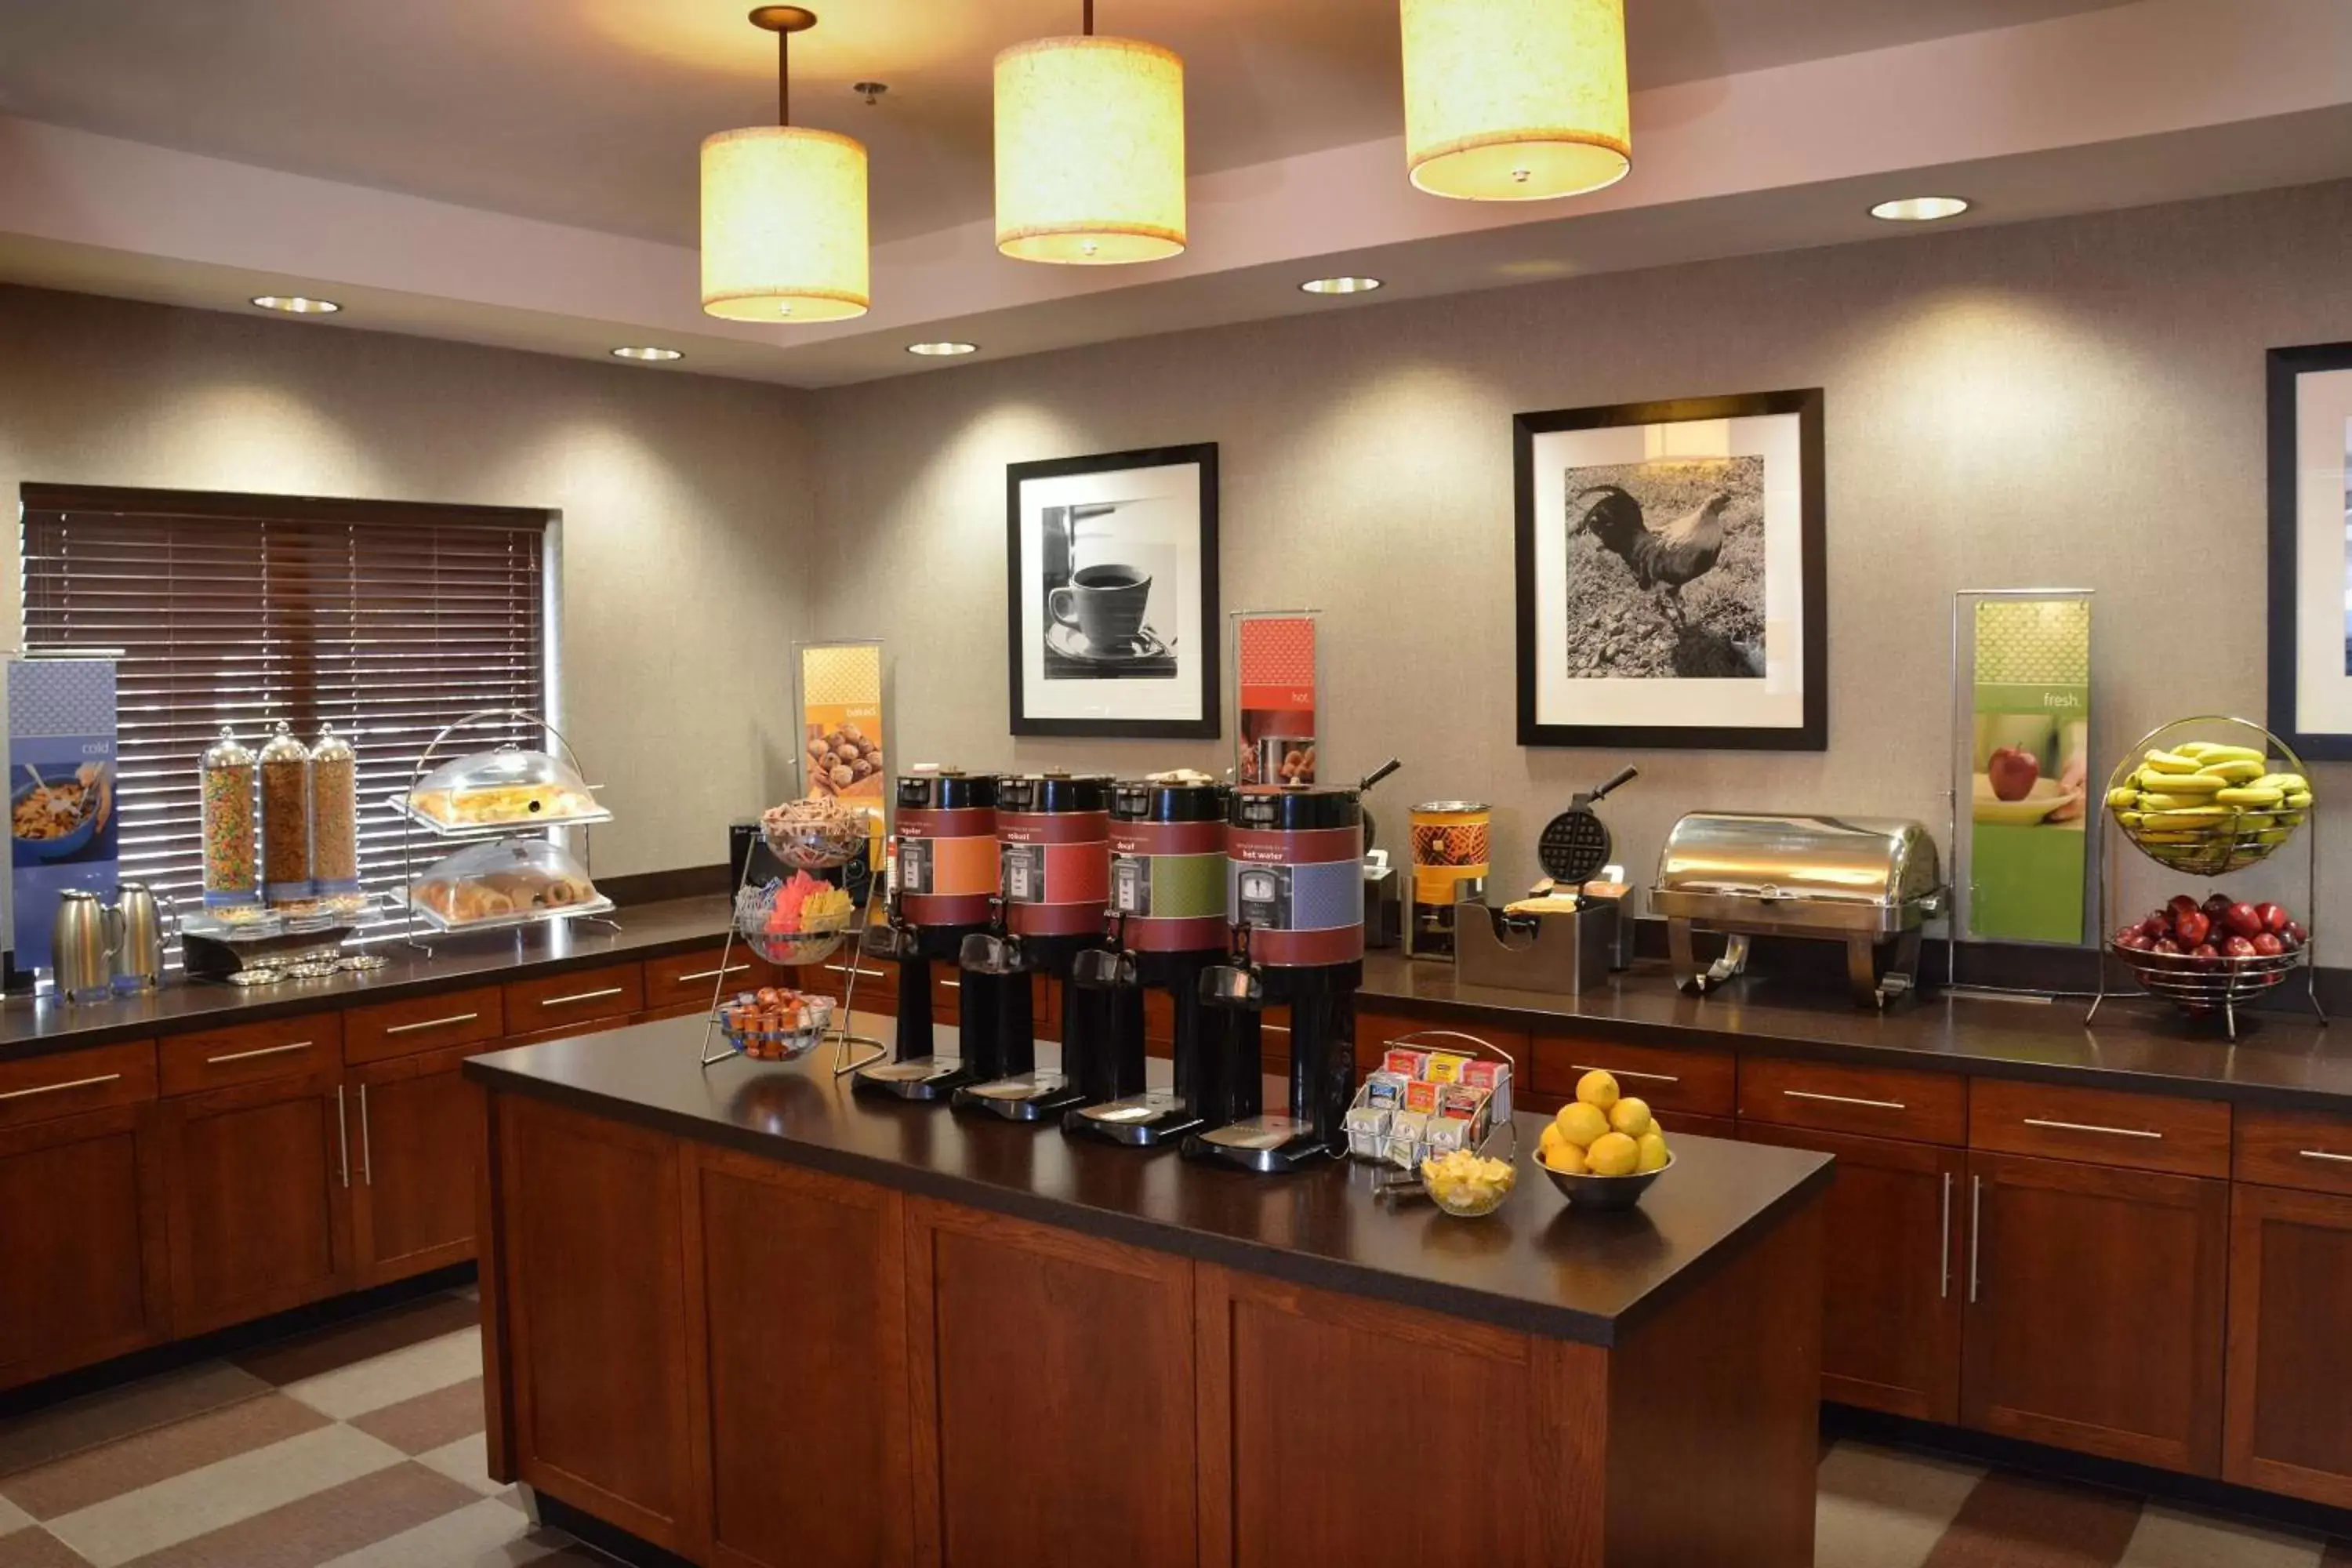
(2075, 403)
(680, 498)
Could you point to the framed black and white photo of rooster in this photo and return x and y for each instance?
(1672, 591)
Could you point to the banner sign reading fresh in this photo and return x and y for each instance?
(2031, 761)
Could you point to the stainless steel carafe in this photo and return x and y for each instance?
(135, 925)
(79, 954)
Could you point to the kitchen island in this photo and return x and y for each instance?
(751, 1317)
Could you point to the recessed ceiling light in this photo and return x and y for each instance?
(1920, 209)
(1339, 285)
(648, 351)
(297, 304)
(942, 350)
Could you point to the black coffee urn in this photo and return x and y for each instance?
(943, 892)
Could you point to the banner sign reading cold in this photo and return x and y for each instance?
(61, 798)
(2030, 796)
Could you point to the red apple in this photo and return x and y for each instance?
(2012, 772)
(2269, 945)
(2274, 916)
(2205, 952)
(2181, 904)
(2165, 944)
(2155, 926)
(2191, 927)
(2239, 920)
(2134, 940)
(2294, 929)
(2289, 941)
(2216, 905)
(2238, 947)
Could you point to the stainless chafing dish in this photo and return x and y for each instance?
(1862, 881)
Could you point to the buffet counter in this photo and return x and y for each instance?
(753, 1318)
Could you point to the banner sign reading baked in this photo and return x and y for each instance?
(62, 817)
(2029, 767)
(1274, 669)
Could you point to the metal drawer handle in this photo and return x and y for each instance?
(2307, 1153)
(55, 1088)
(258, 1051)
(582, 996)
(342, 1137)
(1627, 1072)
(1976, 1232)
(433, 1023)
(2091, 1126)
(1943, 1244)
(713, 974)
(367, 1142)
(1846, 1100)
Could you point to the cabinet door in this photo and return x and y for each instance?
(2290, 1357)
(1891, 1276)
(81, 1228)
(259, 1178)
(2096, 1298)
(759, 1235)
(413, 1169)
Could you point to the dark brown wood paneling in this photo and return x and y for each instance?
(2289, 1422)
(248, 1053)
(2096, 1309)
(1892, 1283)
(2294, 1149)
(413, 1178)
(67, 1083)
(258, 1180)
(1704, 1083)
(796, 1295)
(1052, 1394)
(1870, 1102)
(609, 993)
(86, 1270)
(596, 1317)
(690, 979)
(2100, 1127)
(1377, 1031)
(1677, 1122)
(422, 1024)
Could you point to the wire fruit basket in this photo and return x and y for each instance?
(774, 1033)
(2203, 985)
(813, 941)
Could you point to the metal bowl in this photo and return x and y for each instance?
(2206, 840)
(1605, 1192)
(2205, 984)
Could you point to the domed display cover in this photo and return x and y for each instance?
(510, 881)
(505, 788)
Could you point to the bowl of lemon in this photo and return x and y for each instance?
(1604, 1148)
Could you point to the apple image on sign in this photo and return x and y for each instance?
(2013, 773)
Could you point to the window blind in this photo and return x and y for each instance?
(389, 621)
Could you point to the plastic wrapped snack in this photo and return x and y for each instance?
(505, 882)
(505, 788)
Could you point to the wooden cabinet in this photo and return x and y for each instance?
(1892, 1276)
(85, 1272)
(65, 1083)
(248, 1053)
(423, 1024)
(1867, 1101)
(2100, 1127)
(1702, 1083)
(576, 1002)
(796, 1293)
(2290, 1353)
(1052, 1394)
(258, 1177)
(413, 1183)
(682, 984)
(2095, 1301)
(591, 1217)
(2302, 1149)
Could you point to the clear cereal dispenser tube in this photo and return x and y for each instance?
(334, 815)
(285, 818)
(231, 879)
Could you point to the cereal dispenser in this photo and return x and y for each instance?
(285, 818)
(943, 892)
(232, 869)
(1167, 924)
(1053, 837)
(1295, 896)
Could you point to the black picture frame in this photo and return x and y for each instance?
(2284, 368)
(1204, 658)
(1812, 733)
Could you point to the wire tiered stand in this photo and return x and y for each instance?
(596, 908)
(2207, 840)
(812, 843)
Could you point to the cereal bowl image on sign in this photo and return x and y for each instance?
(1670, 575)
(1112, 594)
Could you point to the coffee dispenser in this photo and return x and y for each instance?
(943, 892)
(1294, 895)
(1167, 924)
(1054, 876)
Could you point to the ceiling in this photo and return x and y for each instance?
(524, 175)
(589, 111)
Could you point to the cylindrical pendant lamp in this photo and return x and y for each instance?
(1089, 149)
(1516, 100)
(783, 211)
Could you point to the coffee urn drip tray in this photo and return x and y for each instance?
(1140, 1120)
(1268, 1143)
(1023, 1096)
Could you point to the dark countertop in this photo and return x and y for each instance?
(35, 1026)
(2282, 1058)
(1535, 1265)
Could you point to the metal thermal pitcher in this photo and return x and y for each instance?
(80, 953)
(135, 924)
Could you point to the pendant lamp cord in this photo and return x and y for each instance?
(1086, 10)
(784, 76)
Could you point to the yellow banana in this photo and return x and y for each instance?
(2249, 796)
(2238, 772)
(2170, 763)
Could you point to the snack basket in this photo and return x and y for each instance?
(756, 1033)
(812, 940)
(1409, 1154)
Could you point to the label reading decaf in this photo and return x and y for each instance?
(1131, 885)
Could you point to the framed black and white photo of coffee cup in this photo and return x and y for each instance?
(1112, 594)
(1670, 584)
(2311, 550)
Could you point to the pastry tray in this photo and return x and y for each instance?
(599, 905)
(398, 801)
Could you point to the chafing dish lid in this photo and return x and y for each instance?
(1851, 859)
